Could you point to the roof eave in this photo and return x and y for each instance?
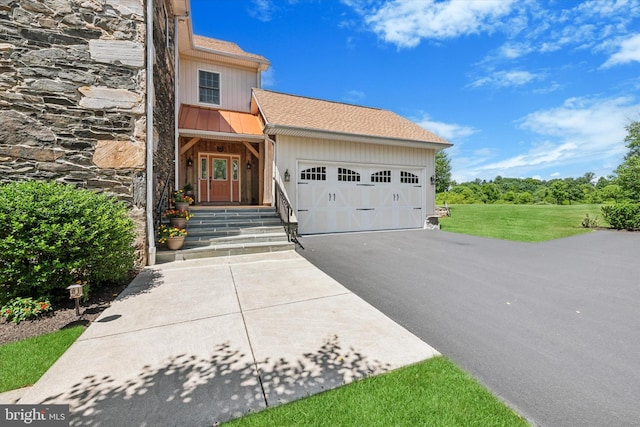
(263, 65)
(275, 129)
(224, 136)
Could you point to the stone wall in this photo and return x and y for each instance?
(72, 96)
(163, 106)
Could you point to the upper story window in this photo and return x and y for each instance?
(208, 87)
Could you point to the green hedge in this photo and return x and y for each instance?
(623, 216)
(53, 235)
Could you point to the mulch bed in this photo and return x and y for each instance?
(63, 316)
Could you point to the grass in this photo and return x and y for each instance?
(434, 393)
(22, 363)
(525, 223)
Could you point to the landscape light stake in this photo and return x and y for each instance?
(75, 292)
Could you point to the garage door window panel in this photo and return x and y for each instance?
(318, 173)
(348, 175)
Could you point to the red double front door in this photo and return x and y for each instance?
(219, 178)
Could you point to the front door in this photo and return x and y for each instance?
(219, 178)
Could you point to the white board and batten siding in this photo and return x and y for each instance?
(339, 186)
(235, 84)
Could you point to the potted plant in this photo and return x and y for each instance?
(181, 201)
(188, 191)
(173, 237)
(178, 218)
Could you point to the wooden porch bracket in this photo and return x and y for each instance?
(250, 148)
(188, 145)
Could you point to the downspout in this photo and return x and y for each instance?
(151, 252)
(176, 101)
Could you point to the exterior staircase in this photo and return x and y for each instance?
(225, 231)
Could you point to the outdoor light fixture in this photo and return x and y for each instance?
(189, 162)
(249, 165)
(287, 176)
(433, 180)
(75, 292)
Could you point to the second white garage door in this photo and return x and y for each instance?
(343, 197)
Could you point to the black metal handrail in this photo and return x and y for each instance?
(163, 202)
(283, 207)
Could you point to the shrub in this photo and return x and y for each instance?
(52, 235)
(622, 216)
(589, 222)
(19, 309)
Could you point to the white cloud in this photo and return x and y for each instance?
(406, 22)
(448, 131)
(506, 79)
(629, 51)
(262, 10)
(586, 131)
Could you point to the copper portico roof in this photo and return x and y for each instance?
(285, 113)
(209, 121)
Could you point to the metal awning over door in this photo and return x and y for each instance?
(333, 197)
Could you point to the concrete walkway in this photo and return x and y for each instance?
(198, 342)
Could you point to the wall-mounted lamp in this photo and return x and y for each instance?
(433, 180)
(249, 164)
(189, 162)
(287, 176)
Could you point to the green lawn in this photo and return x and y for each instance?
(22, 363)
(431, 393)
(526, 223)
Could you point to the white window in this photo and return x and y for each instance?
(208, 87)
(319, 173)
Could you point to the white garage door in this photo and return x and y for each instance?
(343, 197)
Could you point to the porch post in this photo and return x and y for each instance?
(261, 179)
(268, 174)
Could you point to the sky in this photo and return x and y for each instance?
(522, 88)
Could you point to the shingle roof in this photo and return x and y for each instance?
(225, 47)
(300, 112)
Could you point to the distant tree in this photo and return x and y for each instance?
(559, 191)
(443, 172)
(491, 192)
(611, 192)
(629, 171)
(524, 198)
(633, 140)
(602, 182)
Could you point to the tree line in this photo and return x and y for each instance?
(621, 186)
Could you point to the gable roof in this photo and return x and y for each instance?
(228, 50)
(302, 116)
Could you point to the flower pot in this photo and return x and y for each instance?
(175, 243)
(182, 206)
(178, 222)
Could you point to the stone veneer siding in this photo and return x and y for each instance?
(72, 97)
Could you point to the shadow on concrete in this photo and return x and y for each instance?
(143, 283)
(192, 391)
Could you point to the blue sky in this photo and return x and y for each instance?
(521, 88)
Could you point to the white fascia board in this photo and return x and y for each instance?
(207, 134)
(272, 129)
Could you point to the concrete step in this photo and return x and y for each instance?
(240, 238)
(229, 231)
(163, 256)
(224, 231)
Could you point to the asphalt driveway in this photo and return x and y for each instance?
(551, 328)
